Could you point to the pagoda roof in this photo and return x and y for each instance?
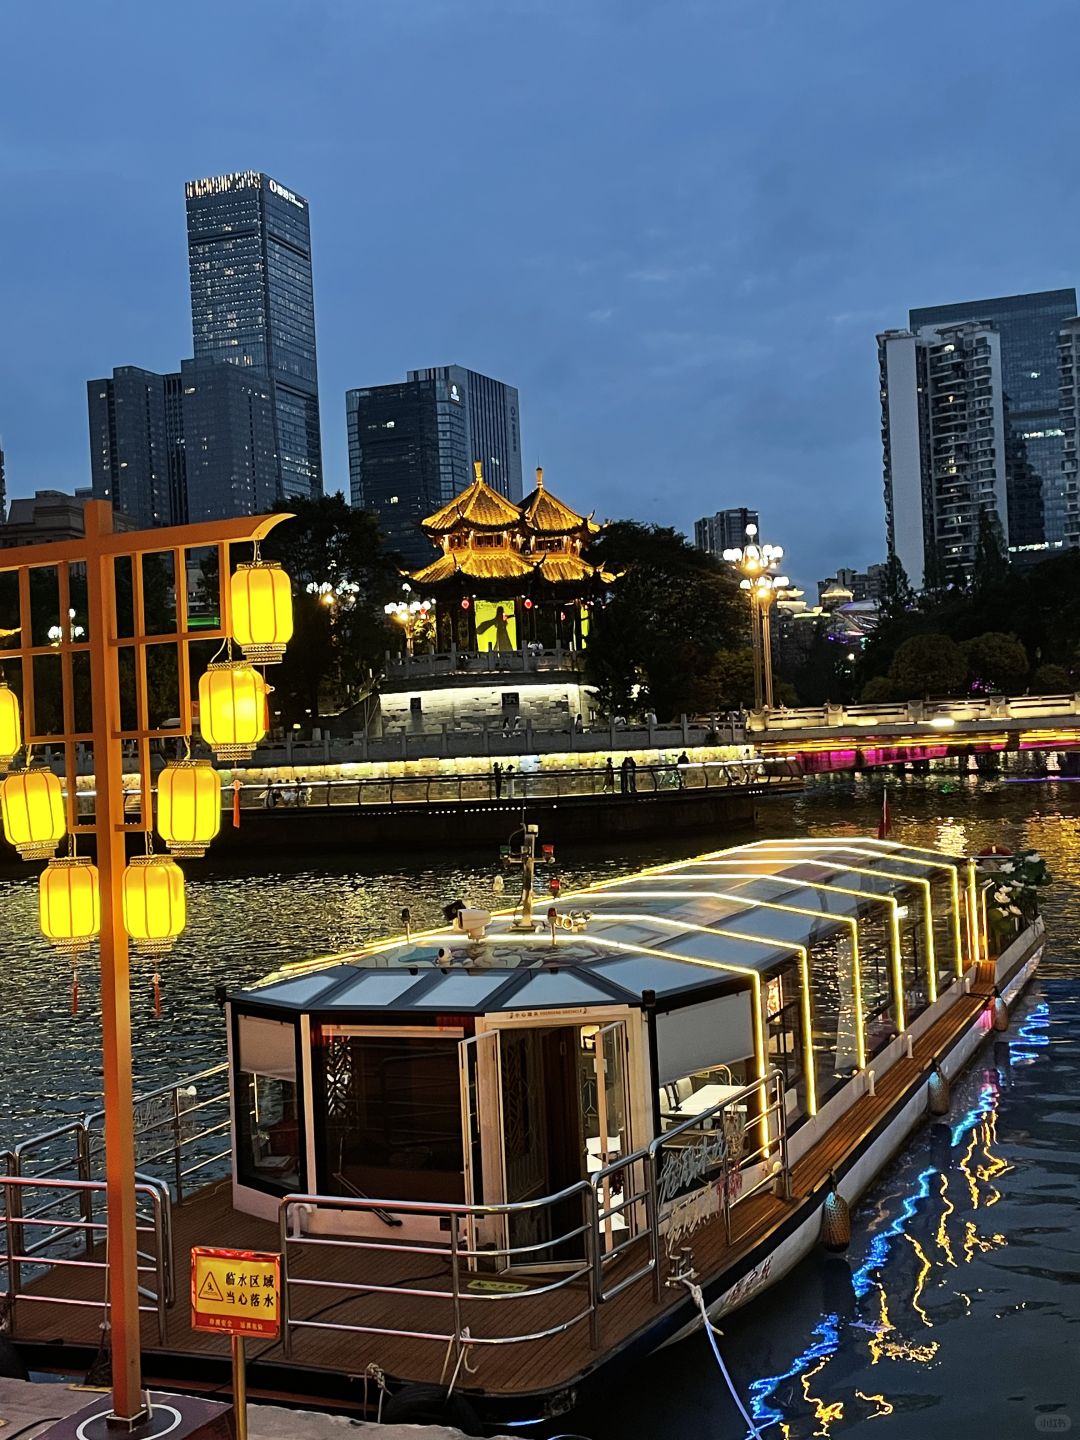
(543, 512)
(560, 569)
(478, 506)
(477, 565)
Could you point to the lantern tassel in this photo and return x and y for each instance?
(157, 995)
(236, 804)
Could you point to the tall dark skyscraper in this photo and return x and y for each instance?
(412, 447)
(132, 450)
(252, 305)
(3, 489)
(1029, 326)
(726, 530)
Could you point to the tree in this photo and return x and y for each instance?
(927, 665)
(991, 560)
(342, 577)
(997, 662)
(878, 691)
(655, 643)
(1051, 680)
(897, 595)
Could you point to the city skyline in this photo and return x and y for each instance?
(688, 310)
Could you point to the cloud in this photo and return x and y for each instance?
(670, 274)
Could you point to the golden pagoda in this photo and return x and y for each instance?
(509, 575)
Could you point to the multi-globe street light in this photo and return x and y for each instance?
(757, 565)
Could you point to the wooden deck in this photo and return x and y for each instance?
(522, 1369)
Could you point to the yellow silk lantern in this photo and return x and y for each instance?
(69, 903)
(232, 709)
(10, 725)
(32, 808)
(155, 912)
(188, 806)
(262, 616)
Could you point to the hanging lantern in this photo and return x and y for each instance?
(188, 806)
(10, 725)
(262, 616)
(232, 709)
(154, 908)
(69, 903)
(32, 808)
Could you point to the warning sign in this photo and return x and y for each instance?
(235, 1292)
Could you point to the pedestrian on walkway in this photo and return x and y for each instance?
(609, 777)
(497, 773)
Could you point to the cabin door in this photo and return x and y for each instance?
(606, 1117)
(481, 1111)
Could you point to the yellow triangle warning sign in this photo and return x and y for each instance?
(210, 1289)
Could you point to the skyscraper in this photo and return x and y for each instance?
(412, 446)
(726, 530)
(131, 445)
(3, 489)
(943, 435)
(229, 445)
(252, 305)
(1029, 326)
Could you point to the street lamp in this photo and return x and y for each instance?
(36, 813)
(757, 565)
(409, 614)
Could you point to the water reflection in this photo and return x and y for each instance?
(957, 1309)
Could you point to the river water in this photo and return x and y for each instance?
(958, 1304)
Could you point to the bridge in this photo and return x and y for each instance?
(847, 737)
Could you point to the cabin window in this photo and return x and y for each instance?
(832, 1006)
(704, 1053)
(269, 1131)
(878, 981)
(945, 955)
(913, 955)
(389, 1111)
(782, 995)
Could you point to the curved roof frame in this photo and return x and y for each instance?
(885, 849)
(839, 920)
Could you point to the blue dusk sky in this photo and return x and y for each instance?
(675, 225)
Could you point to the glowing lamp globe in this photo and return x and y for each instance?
(32, 809)
(188, 806)
(69, 903)
(10, 726)
(155, 912)
(262, 614)
(232, 709)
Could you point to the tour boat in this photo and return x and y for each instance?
(504, 1158)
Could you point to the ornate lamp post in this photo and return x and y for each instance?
(409, 614)
(142, 902)
(757, 564)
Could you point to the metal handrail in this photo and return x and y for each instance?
(17, 1252)
(453, 1213)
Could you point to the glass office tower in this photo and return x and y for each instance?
(412, 446)
(252, 305)
(1029, 326)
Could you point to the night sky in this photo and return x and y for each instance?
(675, 225)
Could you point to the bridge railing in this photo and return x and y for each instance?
(915, 712)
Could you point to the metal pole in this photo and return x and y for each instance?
(239, 1372)
(128, 1407)
(766, 651)
(755, 635)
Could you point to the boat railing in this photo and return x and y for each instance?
(50, 1224)
(460, 1256)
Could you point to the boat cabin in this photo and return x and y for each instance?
(512, 1064)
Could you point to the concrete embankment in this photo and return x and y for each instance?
(28, 1410)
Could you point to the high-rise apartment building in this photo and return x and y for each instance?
(3, 489)
(252, 306)
(943, 430)
(1028, 326)
(726, 530)
(131, 446)
(412, 446)
(1069, 391)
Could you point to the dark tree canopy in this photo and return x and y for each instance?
(670, 616)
